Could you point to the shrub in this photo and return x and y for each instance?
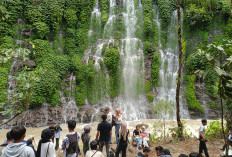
(214, 130)
(4, 72)
(150, 97)
(190, 95)
(155, 69)
(148, 48)
(41, 29)
(197, 18)
(111, 60)
(42, 47)
(70, 17)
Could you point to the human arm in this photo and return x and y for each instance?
(97, 135)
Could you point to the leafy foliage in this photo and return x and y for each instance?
(155, 69)
(111, 60)
(190, 95)
(214, 130)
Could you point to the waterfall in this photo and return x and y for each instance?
(131, 100)
(169, 63)
(70, 108)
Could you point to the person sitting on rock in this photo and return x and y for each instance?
(93, 152)
(161, 152)
(18, 147)
(145, 137)
(146, 152)
(86, 139)
(137, 137)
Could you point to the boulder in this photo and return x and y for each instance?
(25, 44)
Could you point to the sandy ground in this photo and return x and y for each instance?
(176, 148)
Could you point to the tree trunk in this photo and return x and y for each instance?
(12, 118)
(180, 134)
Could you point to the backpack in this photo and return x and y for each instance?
(113, 121)
(73, 144)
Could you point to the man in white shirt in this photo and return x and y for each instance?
(70, 142)
(202, 139)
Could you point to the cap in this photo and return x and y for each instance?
(146, 149)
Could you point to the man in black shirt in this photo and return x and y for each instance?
(105, 130)
(52, 128)
(136, 137)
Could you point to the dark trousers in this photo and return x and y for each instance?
(107, 144)
(121, 147)
(57, 143)
(203, 147)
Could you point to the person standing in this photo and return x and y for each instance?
(109, 118)
(105, 130)
(57, 135)
(86, 139)
(202, 139)
(70, 142)
(118, 120)
(123, 140)
(46, 148)
(18, 147)
(53, 129)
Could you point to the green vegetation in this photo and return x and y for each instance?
(190, 95)
(155, 69)
(150, 97)
(111, 60)
(214, 130)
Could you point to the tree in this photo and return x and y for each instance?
(164, 110)
(179, 72)
(220, 58)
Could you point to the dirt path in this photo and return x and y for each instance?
(176, 148)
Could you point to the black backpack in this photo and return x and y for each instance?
(73, 144)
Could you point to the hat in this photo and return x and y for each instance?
(143, 127)
(146, 149)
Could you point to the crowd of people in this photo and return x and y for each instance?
(16, 146)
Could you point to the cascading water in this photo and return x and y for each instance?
(70, 108)
(169, 63)
(131, 100)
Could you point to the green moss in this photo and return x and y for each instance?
(190, 95)
(155, 69)
(148, 86)
(81, 91)
(150, 97)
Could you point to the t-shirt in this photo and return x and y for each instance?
(230, 137)
(104, 128)
(202, 129)
(136, 132)
(94, 153)
(109, 117)
(48, 149)
(65, 144)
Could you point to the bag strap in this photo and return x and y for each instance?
(47, 149)
(94, 153)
